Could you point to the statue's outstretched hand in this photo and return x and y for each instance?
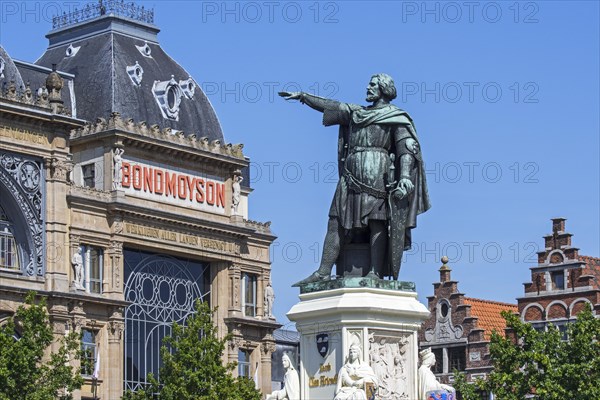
(290, 95)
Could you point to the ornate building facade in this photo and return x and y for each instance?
(459, 328)
(562, 283)
(122, 204)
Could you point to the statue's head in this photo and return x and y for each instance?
(287, 361)
(354, 352)
(427, 357)
(381, 86)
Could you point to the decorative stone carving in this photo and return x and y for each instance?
(188, 87)
(72, 51)
(236, 191)
(115, 331)
(167, 134)
(268, 348)
(117, 167)
(387, 355)
(145, 50)
(269, 299)
(291, 382)
(23, 178)
(27, 97)
(115, 252)
(443, 331)
(168, 96)
(54, 84)
(77, 263)
(356, 379)
(136, 73)
(60, 169)
(11, 92)
(41, 99)
(428, 383)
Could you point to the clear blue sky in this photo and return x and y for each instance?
(505, 96)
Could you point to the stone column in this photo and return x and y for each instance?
(112, 368)
(113, 267)
(235, 306)
(267, 348)
(58, 169)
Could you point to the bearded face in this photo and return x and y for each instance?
(373, 90)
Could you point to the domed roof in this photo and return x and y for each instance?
(119, 66)
(9, 71)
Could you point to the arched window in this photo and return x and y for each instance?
(9, 252)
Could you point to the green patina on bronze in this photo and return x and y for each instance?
(357, 282)
(381, 188)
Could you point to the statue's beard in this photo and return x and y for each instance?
(372, 98)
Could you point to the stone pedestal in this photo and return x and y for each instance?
(378, 316)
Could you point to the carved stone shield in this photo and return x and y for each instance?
(323, 344)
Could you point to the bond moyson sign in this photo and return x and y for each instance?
(171, 186)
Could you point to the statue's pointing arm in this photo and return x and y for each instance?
(334, 112)
(315, 102)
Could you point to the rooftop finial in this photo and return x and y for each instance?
(445, 270)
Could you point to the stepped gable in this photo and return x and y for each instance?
(112, 49)
(562, 283)
(592, 269)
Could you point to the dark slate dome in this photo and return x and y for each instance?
(119, 66)
(9, 71)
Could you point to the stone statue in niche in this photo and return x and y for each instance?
(269, 300)
(291, 383)
(77, 262)
(117, 168)
(236, 192)
(429, 387)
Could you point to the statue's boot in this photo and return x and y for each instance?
(319, 275)
(372, 274)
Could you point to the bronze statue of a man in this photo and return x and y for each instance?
(382, 184)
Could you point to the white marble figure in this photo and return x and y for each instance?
(77, 262)
(269, 300)
(353, 376)
(427, 380)
(117, 165)
(291, 383)
(236, 192)
(398, 379)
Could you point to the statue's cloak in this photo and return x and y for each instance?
(418, 201)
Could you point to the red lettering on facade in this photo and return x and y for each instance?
(182, 187)
(136, 177)
(220, 194)
(200, 190)
(148, 183)
(191, 183)
(126, 172)
(170, 184)
(210, 193)
(159, 181)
